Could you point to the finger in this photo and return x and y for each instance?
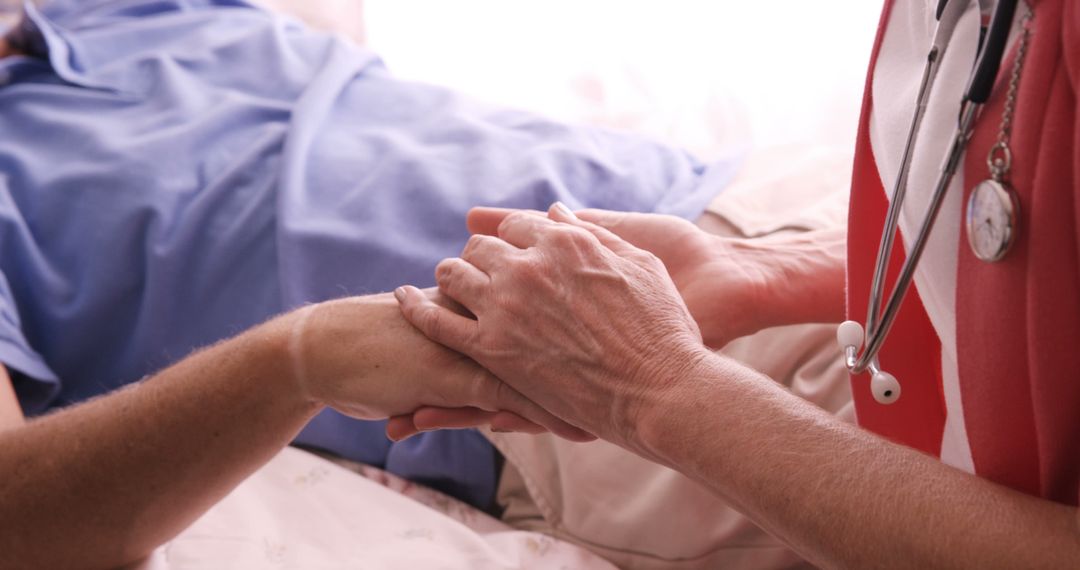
(560, 213)
(485, 221)
(401, 427)
(524, 230)
(662, 234)
(431, 418)
(440, 299)
(609, 219)
(487, 253)
(511, 422)
(437, 323)
(505, 398)
(462, 282)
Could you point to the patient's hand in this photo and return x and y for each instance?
(723, 281)
(360, 357)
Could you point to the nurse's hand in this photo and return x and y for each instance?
(722, 281)
(360, 357)
(733, 287)
(572, 316)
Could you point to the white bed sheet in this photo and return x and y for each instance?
(302, 511)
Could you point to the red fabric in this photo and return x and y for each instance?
(912, 350)
(1018, 320)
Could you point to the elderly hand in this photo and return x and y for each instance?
(724, 281)
(358, 356)
(576, 319)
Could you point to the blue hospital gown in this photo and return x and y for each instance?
(173, 172)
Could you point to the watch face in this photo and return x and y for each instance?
(991, 220)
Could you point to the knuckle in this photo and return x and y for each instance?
(432, 322)
(483, 389)
(650, 258)
(647, 259)
(582, 238)
(446, 270)
(511, 220)
(446, 279)
(530, 268)
(475, 243)
(505, 397)
(566, 237)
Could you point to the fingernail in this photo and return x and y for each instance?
(564, 211)
(399, 294)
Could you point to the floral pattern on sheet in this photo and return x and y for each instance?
(301, 511)
(461, 512)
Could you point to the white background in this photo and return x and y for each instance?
(711, 76)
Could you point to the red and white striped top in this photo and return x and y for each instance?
(988, 354)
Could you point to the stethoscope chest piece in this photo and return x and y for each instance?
(992, 219)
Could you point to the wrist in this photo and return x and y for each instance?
(280, 342)
(808, 277)
(702, 409)
(770, 264)
(672, 387)
(742, 276)
(794, 278)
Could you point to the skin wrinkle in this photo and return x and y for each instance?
(775, 502)
(120, 474)
(840, 496)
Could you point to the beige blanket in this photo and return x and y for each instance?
(639, 514)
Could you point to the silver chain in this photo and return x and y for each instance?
(1000, 157)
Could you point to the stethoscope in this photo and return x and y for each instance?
(884, 386)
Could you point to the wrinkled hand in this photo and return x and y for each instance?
(719, 278)
(575, 318)
(360, 357)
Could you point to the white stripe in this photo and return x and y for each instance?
(955, 446)
(895, 86)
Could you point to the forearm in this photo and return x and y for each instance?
(839, 495)
(105, 482)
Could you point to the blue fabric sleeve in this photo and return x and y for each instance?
(35, 383)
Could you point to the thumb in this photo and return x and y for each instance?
(608, 219)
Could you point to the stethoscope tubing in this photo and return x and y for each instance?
(980, 85)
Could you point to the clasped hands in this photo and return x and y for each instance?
(570, 314)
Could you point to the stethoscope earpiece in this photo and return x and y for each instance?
(850, 335)
(883, 386)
